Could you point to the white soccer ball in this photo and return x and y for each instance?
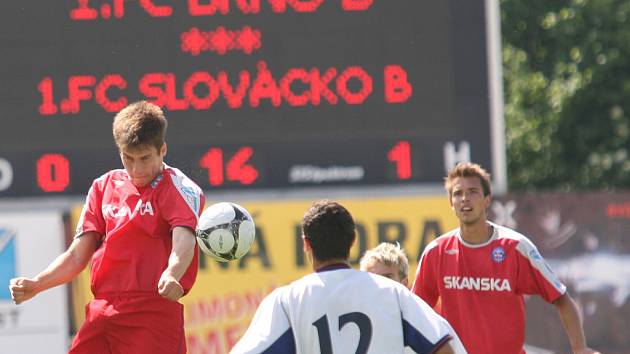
(225, 231)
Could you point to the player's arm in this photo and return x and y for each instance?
(62, 270)
(182, 254)
(572, 322)
(536, 277)
(425, 283)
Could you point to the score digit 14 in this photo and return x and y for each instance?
(235, 169)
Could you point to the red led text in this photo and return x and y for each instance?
(89, 10)
(201, 90)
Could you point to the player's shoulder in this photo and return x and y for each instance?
(388, 284)
(355, 279)
(186, 187)
(446, 240)
(507, 234)
(179, 179)
(115, 173)
(110, 176)
(517, 240)
(278, 294)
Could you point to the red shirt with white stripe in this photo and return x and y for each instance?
(135, 224)
(481, 287)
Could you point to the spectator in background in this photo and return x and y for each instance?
(481, 271)
(137, 227)
(310, 315)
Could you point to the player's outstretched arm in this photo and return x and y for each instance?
(572, 322)
(182, 254)
(62, 270)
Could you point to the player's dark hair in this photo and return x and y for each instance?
(329, 228)
(138, 125)
(468, 169)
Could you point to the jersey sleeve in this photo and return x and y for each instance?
(535, 276)
(425, 284)
(270, 331)
(181, 203)
(424, 330)
(91, 218)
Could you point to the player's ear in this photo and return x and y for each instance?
(164, 149)
(405, 282)
(487, 200)
(306, 244)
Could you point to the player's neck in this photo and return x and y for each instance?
(318, 265)
(476, 233)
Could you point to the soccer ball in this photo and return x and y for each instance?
(225, 231)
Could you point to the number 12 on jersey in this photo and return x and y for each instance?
(358, 318)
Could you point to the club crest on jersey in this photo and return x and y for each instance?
(498, 254)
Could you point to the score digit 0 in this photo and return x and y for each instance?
(53, 173)
(6, 174)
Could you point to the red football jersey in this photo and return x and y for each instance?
(135, 225)
(481, 287)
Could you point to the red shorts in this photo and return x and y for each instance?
(124, 324)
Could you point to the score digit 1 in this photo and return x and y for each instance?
(235, 169)
(400, 155)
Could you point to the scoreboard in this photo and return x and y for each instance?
(259, 94)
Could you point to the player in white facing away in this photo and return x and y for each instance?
(340, 310)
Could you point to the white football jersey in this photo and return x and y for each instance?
(343, 311)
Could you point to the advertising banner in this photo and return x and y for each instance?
(226, 295)
(585, 238)
(28, 243)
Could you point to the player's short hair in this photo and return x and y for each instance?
(388, 254)
(330, 230)
(138, 125)
(468, 169)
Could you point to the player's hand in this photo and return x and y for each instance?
(586, 351)
(22, 289)
(169, 287)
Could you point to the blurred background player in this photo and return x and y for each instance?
(390, 261)
(387, 260)
(137, 227)
(480, 272)
(312, 314)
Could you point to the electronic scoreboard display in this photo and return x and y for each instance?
(259, 94)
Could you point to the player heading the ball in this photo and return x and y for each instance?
(137, 228)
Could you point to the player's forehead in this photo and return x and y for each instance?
(139, 151)
(466, 183)
(377, 267)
